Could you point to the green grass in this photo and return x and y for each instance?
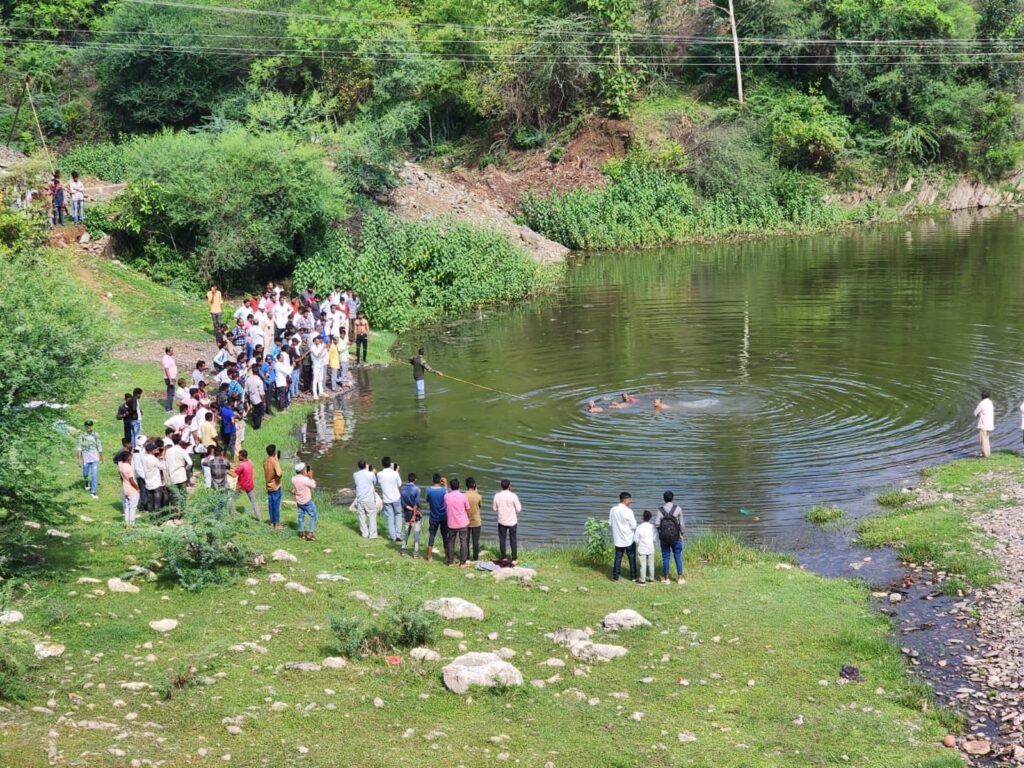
(822, 515)
(748, 616)
(895, 498)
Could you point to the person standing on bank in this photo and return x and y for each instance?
(303, 486)
(507, 507)
(272, 474)
(390, 483)
(216, 302)
(412, 515)
(419, 365)
(622, 522)
(90, 456)
(77, 189)
(475, 500)
(986, 421)
(671, 531)
(364, 480)
(456, 507)
(362, 331)
(170, 376)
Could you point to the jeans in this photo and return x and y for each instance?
(509, 531)
(646, 567)
(334, 378)
(136, 431)
(367, 519)
(296, 376)
(309, 508)
(283, 396)
(143, 496)
(215, 317)
(90, 470)
(274, 506)
(420, 388)
(393, 515)
(435, 526)
(677, 550)
(269, 396)
(58, 215)
(630, 552)
(319, 374)
(155, 499)
(253, 501)
(474, 542)
(257, 415)
(413, 528)
(462, 535)
(77, 211)
(130, 505)
(170, 394)
(361, 343)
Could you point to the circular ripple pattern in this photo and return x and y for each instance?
(801, 372)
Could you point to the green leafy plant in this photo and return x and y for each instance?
(399, 626)
(895, 498)
(597, 540)
(824, 515)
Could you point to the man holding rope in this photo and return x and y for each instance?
(419, 365)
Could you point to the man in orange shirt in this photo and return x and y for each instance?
(216, 302)
(272, 474)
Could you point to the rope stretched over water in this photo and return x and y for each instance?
(481, 386)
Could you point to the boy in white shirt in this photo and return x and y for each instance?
(986, 421)
(645, 547)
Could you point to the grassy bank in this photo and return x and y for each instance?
(745, 658)
(933, 527)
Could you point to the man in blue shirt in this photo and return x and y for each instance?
(227, 428)
(438, 516)
(410, 500)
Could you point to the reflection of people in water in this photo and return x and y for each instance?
(593, 407)
(658, 405)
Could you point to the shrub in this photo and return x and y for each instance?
(802, 130)
(16, 656)
(895, 498)
(96, 220)
(409, 273)
(597, 540)
(104, 160)
(204, 549)
(823, 515)
(232, 206)
(403, 625)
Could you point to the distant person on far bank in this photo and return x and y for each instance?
(669, 522)
(216, 302)
(622, 523)
(362, 331)
(986, 421)
(170, 376)
(419, 366)
(507, 507)
(77, 189)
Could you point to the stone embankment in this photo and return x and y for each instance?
(961, 195)
(427, 195)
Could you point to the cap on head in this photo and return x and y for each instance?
(300, 467)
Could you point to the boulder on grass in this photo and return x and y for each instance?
(455, 608)
(481, 669)
(627, 618)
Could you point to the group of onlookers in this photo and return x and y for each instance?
(59, 196)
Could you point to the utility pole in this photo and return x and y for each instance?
(736, 52)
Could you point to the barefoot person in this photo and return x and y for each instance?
(986, 421)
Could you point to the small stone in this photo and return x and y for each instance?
(686, 737)
(283, 556)
(303, 666)
(163, 625)
(624, 619)
(492, 635)
(294, 586)
(552, 662)
(455, 608)
(425, 654)
(116, 585)
(48, 650)
(279, 706)
(135, 686)
(234, 730)
(303, 750)
(949, 741)
(895, 597)
(251, 582)
(455, 634)
(334, 662)
(378, 702)
(275, 578)
(11, 617)
(482, 669)
(977, 747)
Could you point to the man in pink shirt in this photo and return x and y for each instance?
(170, 376)
(302, 486)
(507, 505)
(243, 470)
(456, 507)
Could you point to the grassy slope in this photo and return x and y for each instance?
(939, 530)
(747, 620)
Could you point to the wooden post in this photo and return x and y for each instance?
(736, 52)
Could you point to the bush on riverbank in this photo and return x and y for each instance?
(409, 273)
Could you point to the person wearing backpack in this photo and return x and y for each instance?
(669, 522)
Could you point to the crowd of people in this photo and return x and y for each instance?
(59, 196)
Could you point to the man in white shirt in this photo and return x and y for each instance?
(282, 313)
(282, 371)
(178, 464)
(77, 189)
(986, 421)
(318, 354)
(366, 499)
(152, 468)
(390, 482)
(254, 392)
(622, 523)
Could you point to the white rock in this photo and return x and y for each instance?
(456, 608)
(624, 619)
(895, 597)
(552, 662)
(579, 645)
(686, 737)
(279, 706)
(163, 625)
(276, 578)
(87, 580)
(303, 666)
(251, 582)
(455, 634)
(521, 574)
(135, 686)
(57, 533)
(294, 586)
(261, 608)
(492, 635)
(283, 555)
(331, 577)
(248, 646)
(11, 617)
(116, 585)
(378, 702)
(334, 662)
(483, 669)
(505, 653)
(48, 650)
(32, 524)
(425, 654)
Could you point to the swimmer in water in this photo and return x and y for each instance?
(628, 398)
(593, 407)
(658, 405)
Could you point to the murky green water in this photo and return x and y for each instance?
(797, 371)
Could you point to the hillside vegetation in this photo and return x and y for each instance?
(255, 137)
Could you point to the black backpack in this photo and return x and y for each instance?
(668, 531)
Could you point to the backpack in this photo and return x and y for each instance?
(668, 531)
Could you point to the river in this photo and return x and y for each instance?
(797, 371)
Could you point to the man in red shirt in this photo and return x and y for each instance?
(243, 470)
